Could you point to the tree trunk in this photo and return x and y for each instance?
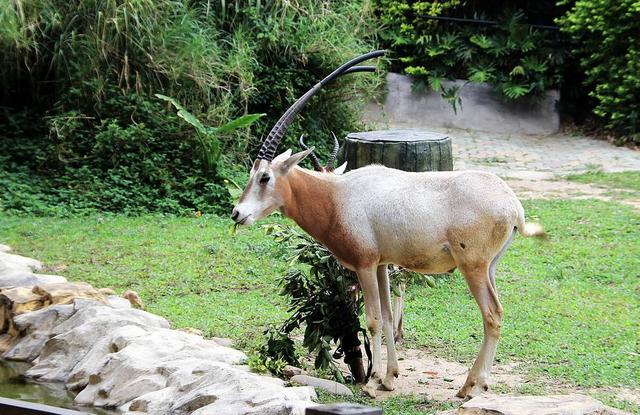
(409, 150)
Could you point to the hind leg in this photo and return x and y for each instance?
(478, 280)
(398, 310)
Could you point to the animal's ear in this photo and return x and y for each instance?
(341, 169)
(283, 156)
(294, 160)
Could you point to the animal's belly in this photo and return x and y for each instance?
(424, 261)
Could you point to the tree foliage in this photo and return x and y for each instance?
(79, 115)
(606, 36)
(513, 56)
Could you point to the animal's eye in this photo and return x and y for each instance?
(264, 179)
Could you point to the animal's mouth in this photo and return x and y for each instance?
(243, 220)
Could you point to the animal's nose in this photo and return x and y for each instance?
(234, 214)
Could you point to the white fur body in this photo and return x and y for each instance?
(430, 222)
(407, 218)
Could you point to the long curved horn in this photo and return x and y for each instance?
(314, 159)
(270, 144)
(334, 153)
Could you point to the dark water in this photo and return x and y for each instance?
(14, 385)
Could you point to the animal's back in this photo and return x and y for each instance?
(416, 215)
(381, 189)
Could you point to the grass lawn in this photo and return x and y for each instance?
(572, 303)
(624, 185)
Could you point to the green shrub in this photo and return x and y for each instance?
(322, 301)
(606, 36)
(80, 120)
(78, 166)
(514, 57)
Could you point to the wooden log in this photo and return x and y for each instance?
(409, 150)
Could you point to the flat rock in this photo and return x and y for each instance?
(35, 329)
(24, 279)
(118, 302)
(73, 339)
(67, 292)
(17, 261)
(573, 404)
(327, 385)
(5, 248)
(159, 371)
(223, 341)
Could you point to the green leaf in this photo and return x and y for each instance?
(481, 40)
(240, 122)
(517, 70)
(184, 114)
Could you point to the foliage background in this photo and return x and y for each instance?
(606, 38)
(593, 58)
(80, 128)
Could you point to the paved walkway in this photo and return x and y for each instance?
(538, 156)
(534, 166)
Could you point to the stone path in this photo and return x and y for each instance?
(535, 166)
(538, 156)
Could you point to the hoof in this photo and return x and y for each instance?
(370, 388)
(375, 377)
(471, 390)
(388, 383)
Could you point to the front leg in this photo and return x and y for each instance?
(387, 320)
(369, 284)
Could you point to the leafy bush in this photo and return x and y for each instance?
(323, 300)
(80, 121)
(80, 166)
(605, 34)
(514, 57)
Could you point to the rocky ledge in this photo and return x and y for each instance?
(117, 356)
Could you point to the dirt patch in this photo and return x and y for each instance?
(438, 379)
(554, 189)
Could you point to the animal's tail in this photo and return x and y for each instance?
(531, 229)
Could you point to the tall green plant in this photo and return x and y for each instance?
(209, 137)
(78, 80)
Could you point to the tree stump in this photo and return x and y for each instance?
(409, 150)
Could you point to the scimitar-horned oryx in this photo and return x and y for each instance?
(373, 216)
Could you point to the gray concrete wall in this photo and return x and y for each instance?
(481, 109)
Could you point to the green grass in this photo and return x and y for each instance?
(628, 181)
(190, 270)
(571, 303)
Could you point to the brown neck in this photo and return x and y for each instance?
(310, 201)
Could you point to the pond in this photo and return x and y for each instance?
(14, 385)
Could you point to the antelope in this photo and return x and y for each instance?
(429, 222)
